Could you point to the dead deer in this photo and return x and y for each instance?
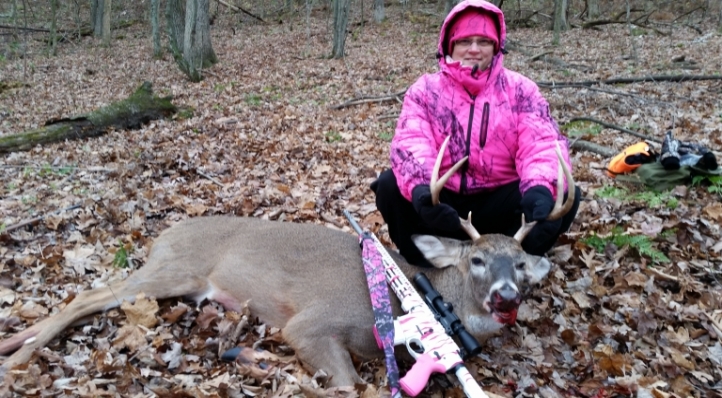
(309, 281)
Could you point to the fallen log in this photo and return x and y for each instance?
(139, 108)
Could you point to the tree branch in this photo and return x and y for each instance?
(627, 80)
(615, 127)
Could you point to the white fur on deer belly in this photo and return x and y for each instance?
(228, 302)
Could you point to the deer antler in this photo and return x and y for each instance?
(438, 183)
(559, 209)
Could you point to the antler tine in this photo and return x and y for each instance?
(559, 209)
(469, 229)
(438, 183)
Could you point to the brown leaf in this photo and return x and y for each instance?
(142, 312)
(174, 313)
(714, 211)
(206, 316)
(131, 337)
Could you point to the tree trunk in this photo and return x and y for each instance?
(190, 36)
(106, 22)
(155, 28)
(175, 14)
(593, 10)
(190, 23)
(560, 19)
(340, 21)
(139, 108)
(448, 5)
(719, 22)
(54, 27)
(379, 11)
(202, 42)
(96, 16)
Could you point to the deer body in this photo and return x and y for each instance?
(306, 279)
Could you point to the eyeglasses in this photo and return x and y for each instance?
(466, 43)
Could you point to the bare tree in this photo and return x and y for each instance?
(54, 27)
(155, 28)
(719, 22)
(560, 19)
(593, 9)
(96, 16)
(340, 22)
(106, 22)
(189, 36)
(379, 11)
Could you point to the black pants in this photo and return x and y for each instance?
(493, 212)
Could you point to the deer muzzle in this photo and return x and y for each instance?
(504, 304)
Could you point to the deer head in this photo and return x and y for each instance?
(494, 265)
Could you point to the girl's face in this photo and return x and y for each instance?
(474, 50)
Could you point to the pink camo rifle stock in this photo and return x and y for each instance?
(419, 328)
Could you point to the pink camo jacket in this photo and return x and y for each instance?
(505, 129)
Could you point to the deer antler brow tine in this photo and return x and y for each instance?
(438, 183)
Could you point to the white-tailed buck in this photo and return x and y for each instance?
(309, 281)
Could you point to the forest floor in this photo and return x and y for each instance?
(631, 307)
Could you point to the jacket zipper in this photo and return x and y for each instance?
(484, 125)
(465, 168)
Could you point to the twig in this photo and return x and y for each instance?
(93, 169)
(614, 127)
(717, 326)
(662, 274)
(36, 219)
(213, 180)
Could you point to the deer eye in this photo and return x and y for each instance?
(520, 266)
(476, 261)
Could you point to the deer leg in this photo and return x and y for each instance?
(321, 349)
(88, 303)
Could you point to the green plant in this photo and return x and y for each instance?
(650, 198)
(581, 128)
(3, 226)
(185, 113)
(386, 135)
(642, 244)
(253, 99)
(219, 87)
(120, 259)
(714, 183)
(333, 136)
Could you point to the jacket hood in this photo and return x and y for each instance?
(472, 82)
(463, 6)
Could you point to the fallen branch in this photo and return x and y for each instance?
(615, 127)
(627, 80)
(366, 99)
(139, 108)
(237, 9)
(535, 57)
(36, 219)
(592, 147)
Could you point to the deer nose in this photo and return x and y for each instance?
(506, 298)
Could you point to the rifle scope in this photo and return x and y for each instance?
(446, 317)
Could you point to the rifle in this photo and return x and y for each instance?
(420, 330)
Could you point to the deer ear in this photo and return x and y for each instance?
(441, 252)
(537, 271)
